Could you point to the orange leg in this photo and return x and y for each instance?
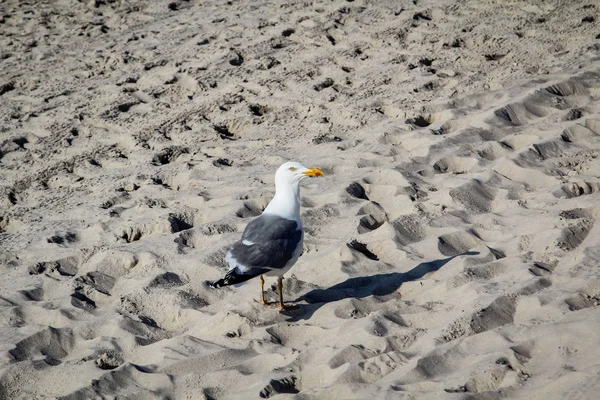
(262, 291)
(280, 287)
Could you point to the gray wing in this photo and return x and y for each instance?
(267, 243)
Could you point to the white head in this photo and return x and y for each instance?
(286, 202)
(291, 173)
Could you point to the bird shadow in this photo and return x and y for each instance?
(363, 286)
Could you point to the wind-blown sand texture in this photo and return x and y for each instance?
(451, 249)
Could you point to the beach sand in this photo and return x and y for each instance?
(451, 250)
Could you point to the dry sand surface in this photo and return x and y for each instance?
(451, 249)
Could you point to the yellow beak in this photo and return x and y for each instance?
(313, 172)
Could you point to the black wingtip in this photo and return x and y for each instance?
(232, 278)
(214, 284)
(217, 284)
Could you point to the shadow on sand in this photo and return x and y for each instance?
(363, 286)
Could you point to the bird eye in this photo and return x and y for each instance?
(292, 168)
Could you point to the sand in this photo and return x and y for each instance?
(451, 250)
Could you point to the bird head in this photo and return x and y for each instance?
(291, 173)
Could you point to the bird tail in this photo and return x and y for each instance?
(231, 278)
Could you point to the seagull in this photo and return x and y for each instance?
(271, 244)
